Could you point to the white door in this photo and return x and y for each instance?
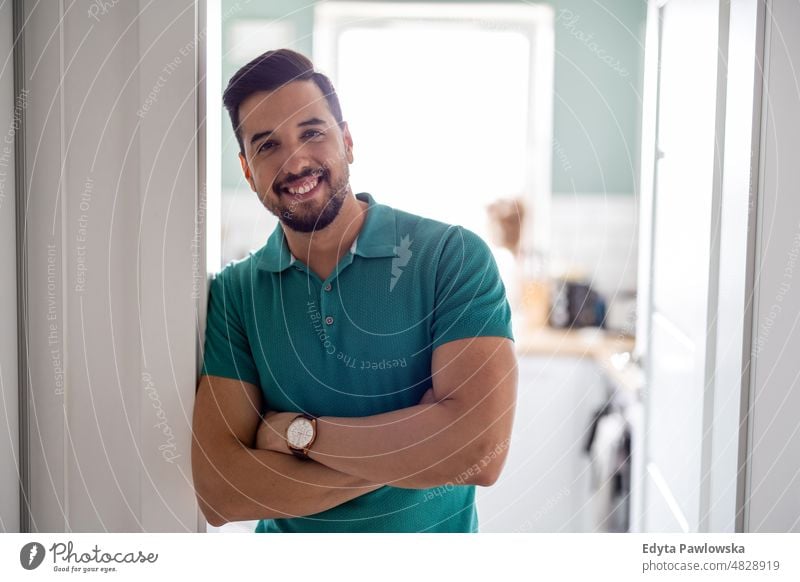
(683, 266)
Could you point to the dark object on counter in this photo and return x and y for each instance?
(576, 304)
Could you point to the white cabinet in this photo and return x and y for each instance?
(545, 484)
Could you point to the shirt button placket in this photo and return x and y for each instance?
(324, 300)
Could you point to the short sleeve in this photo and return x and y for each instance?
(227, 351)
(470, 299)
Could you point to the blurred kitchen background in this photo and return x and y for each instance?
(522, 122)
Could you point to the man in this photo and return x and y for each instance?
(359, 372)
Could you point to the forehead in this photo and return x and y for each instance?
(281, 108)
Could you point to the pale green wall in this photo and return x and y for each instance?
(596, 109)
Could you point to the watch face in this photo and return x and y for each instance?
(300, 433)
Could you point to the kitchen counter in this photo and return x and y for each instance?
(609, 350)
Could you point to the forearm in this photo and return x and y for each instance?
(458, 433)
(416, 447)
(245, 484)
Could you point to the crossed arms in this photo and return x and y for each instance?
(458, 433)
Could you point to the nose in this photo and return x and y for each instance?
(296, 162)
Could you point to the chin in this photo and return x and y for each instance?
(313, 222)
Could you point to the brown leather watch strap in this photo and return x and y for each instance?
(299, 454)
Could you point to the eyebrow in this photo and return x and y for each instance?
(307, 122)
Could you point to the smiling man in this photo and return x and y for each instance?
(359, 372)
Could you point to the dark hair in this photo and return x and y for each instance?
(268, 72)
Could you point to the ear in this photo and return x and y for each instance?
(246, 169)
(348, 142)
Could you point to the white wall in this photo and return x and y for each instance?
(115, 272)
(597, 233)
(773, 487)
(9, 425)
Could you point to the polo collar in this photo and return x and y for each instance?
(378, 236)
(376, 239)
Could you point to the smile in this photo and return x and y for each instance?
(304, 187)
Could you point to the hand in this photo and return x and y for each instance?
(271, 434)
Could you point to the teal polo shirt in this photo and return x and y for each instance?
(359, 343)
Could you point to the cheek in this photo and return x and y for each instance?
(263, 176)
(337, 160)
(327, 153)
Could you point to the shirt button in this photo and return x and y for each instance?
(327, 287)
(329, 320)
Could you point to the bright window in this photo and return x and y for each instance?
(440, 129)
(449, 105)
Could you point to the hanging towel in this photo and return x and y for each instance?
(604, 458)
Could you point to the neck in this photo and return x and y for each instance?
(322, 249)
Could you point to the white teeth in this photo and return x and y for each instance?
(305, 189)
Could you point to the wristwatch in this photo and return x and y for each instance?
(300, 434)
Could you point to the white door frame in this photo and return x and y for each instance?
(114, 255)
(772, 489)
(12, 107)
(725, 423)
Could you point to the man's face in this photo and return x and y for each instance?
(296, 155)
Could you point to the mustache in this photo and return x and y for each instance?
(279, 187)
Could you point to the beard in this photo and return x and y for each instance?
(310, 215)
